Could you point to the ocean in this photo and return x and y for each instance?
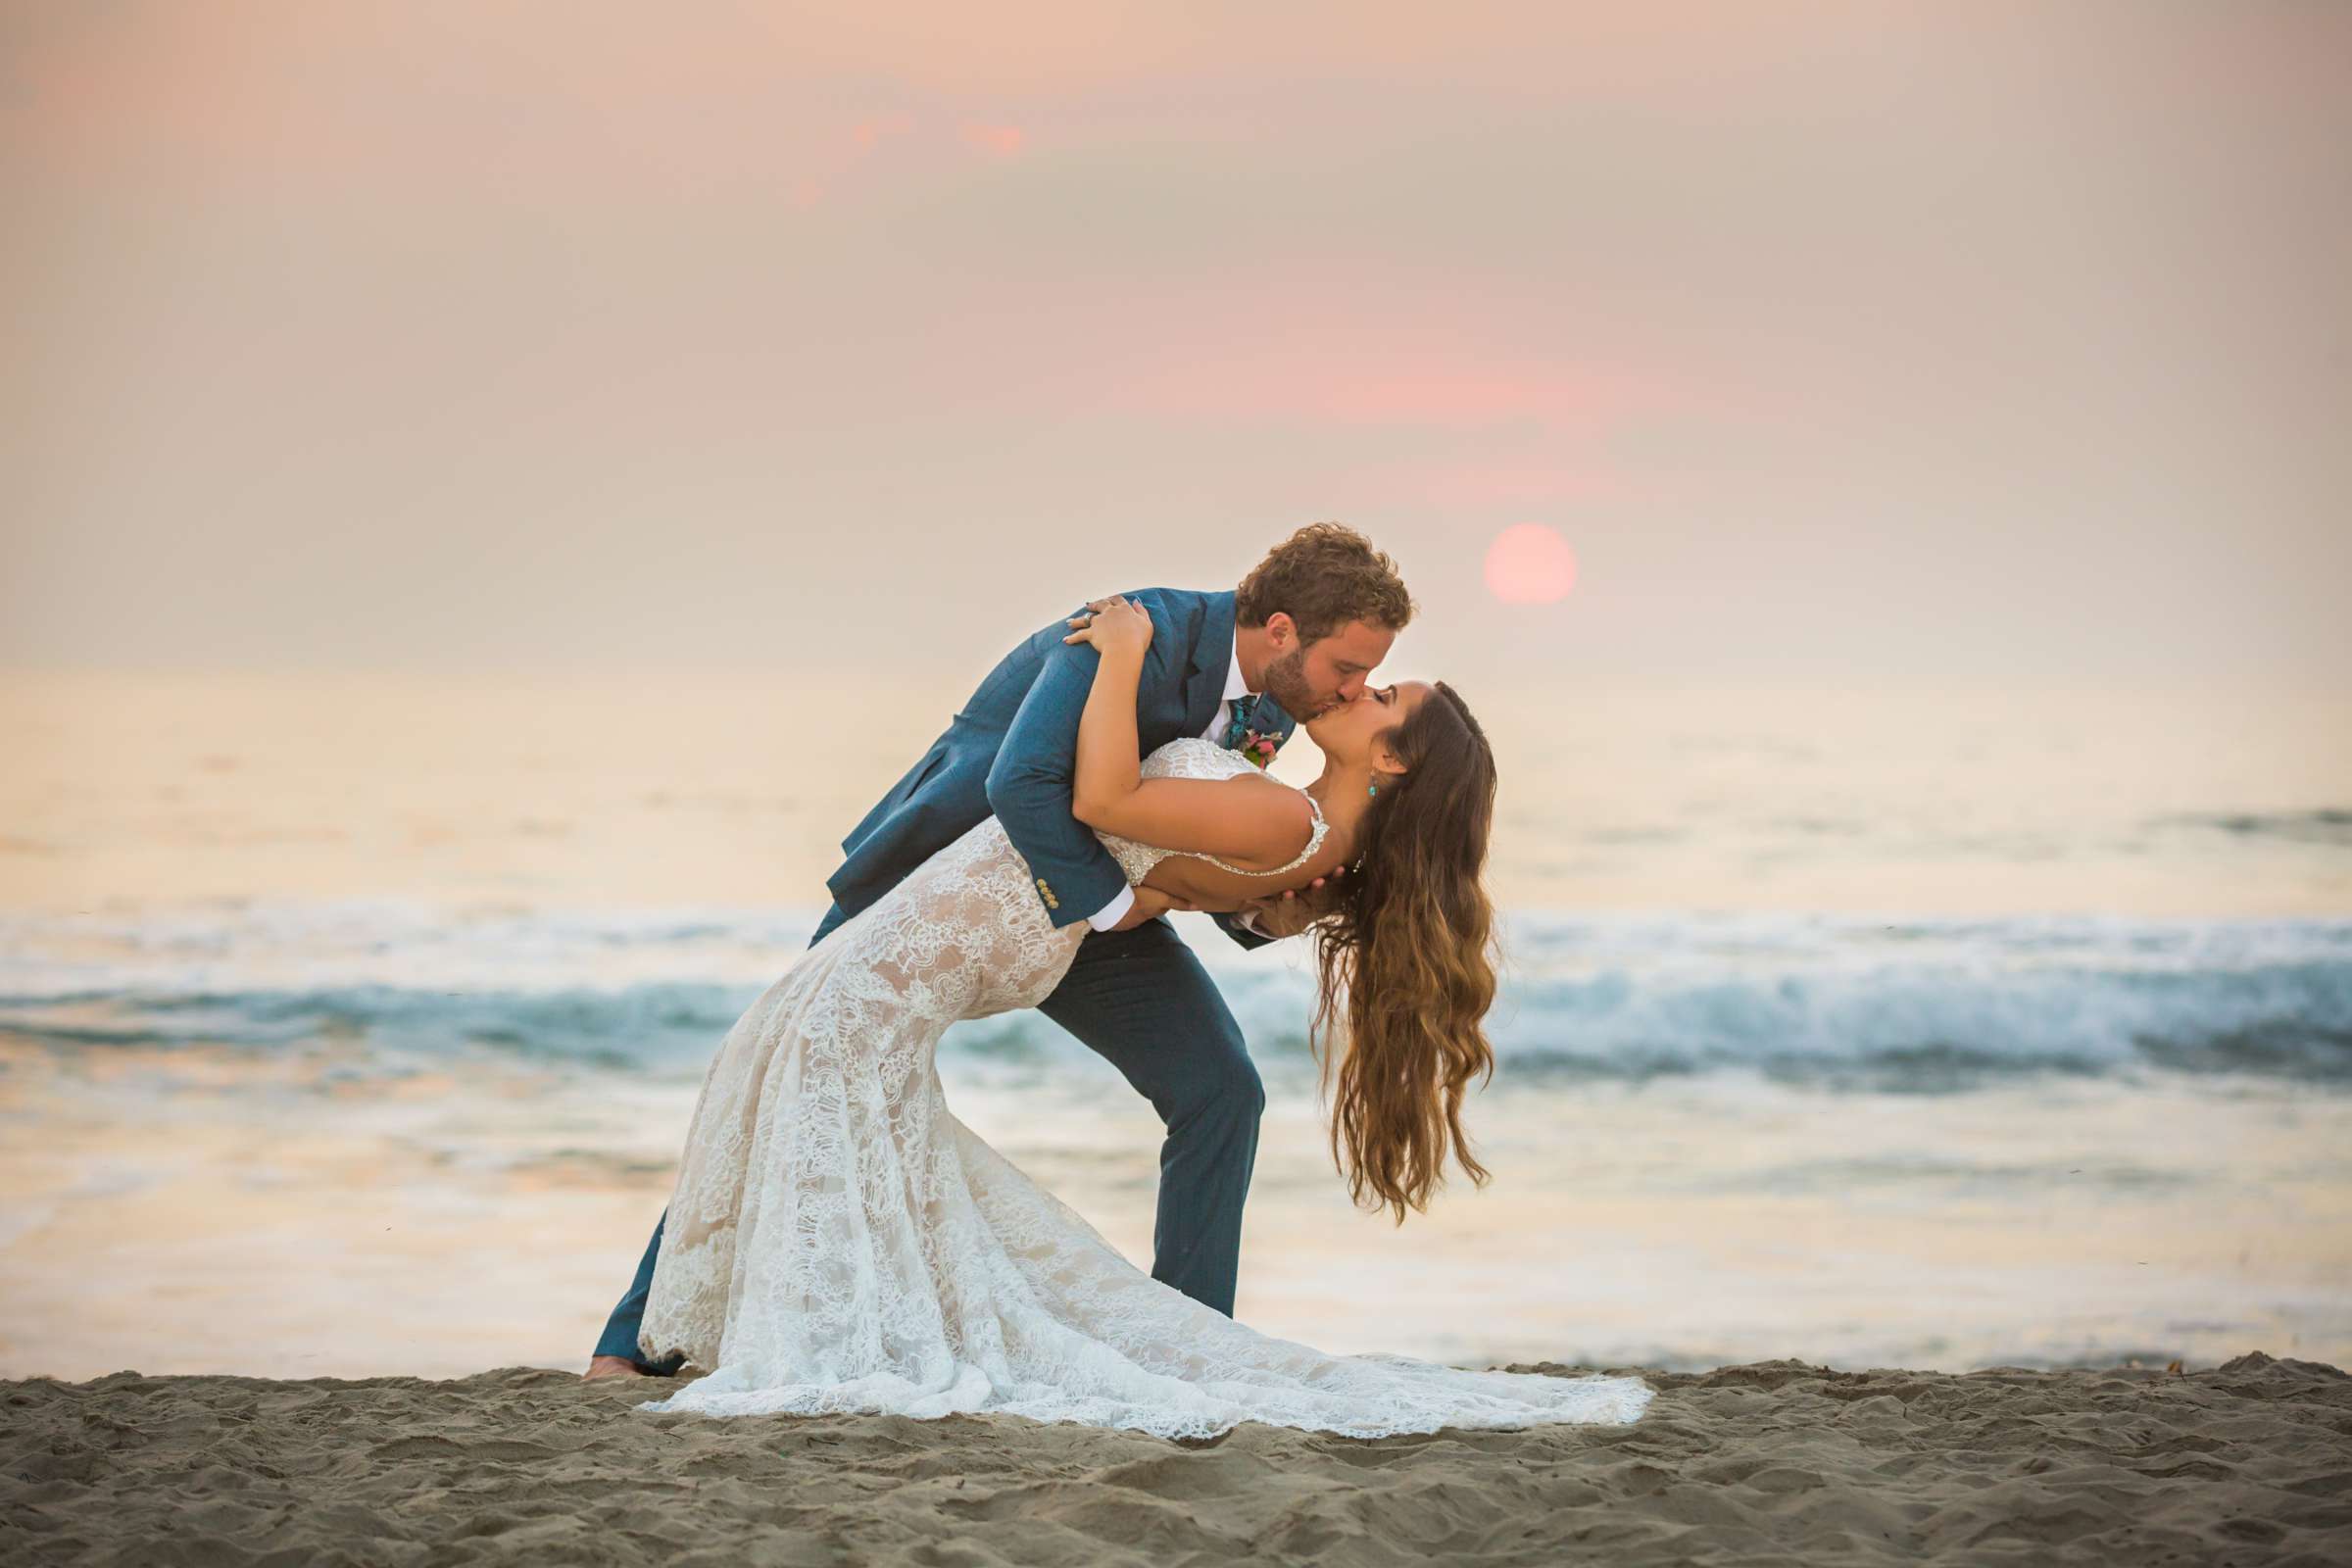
(350, 1026)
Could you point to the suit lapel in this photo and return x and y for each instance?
(1204, 676)
(1212, 657)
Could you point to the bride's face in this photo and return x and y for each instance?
(1350, 732)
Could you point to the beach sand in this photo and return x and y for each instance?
(1773, 1462)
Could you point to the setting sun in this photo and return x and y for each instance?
(1529, 564)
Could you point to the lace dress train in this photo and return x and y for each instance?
(838, 1241)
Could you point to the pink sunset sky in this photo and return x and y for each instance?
(1903, 344)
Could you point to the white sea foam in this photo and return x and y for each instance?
(1893, 1003)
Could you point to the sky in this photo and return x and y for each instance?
(1897, 346)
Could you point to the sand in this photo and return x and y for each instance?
(1773, 1462)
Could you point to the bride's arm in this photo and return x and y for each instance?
(1104, 767)
(1247, 818)
(1242, 819)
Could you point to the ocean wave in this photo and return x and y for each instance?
(1836, 1002)
(2328, 825)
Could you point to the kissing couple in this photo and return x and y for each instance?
(838, 1241)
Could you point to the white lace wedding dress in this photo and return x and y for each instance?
(838, 1241)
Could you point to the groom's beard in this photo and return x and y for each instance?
(1286, 682)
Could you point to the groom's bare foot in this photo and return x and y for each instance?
(611, 1366)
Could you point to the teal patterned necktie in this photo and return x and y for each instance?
(1237, 728)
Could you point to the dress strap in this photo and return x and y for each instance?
(1314, 841)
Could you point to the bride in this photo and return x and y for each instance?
(839, 1241)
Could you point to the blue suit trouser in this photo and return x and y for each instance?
(1142, 1000)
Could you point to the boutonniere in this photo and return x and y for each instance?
(1259, 749)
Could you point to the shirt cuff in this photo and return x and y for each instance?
(1115, 911)
(1248, 921)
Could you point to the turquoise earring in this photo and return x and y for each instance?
(1374, 790)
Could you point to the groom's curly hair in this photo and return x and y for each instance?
(1323, 576)
(1407, 966)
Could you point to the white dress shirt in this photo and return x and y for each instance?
(1115, 911)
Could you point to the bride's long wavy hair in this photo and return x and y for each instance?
(1407, 966)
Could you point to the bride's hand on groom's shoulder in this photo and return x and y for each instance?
(1116, 625)
(1293, 911)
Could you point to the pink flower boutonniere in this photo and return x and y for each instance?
(1259, 749)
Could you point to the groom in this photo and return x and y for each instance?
(1296, 639)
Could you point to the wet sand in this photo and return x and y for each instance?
(2249, 1462)
(295, 1214)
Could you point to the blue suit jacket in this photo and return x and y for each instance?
(1013, 750)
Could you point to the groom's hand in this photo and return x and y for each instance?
(1150, 905)
(1291, 911)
